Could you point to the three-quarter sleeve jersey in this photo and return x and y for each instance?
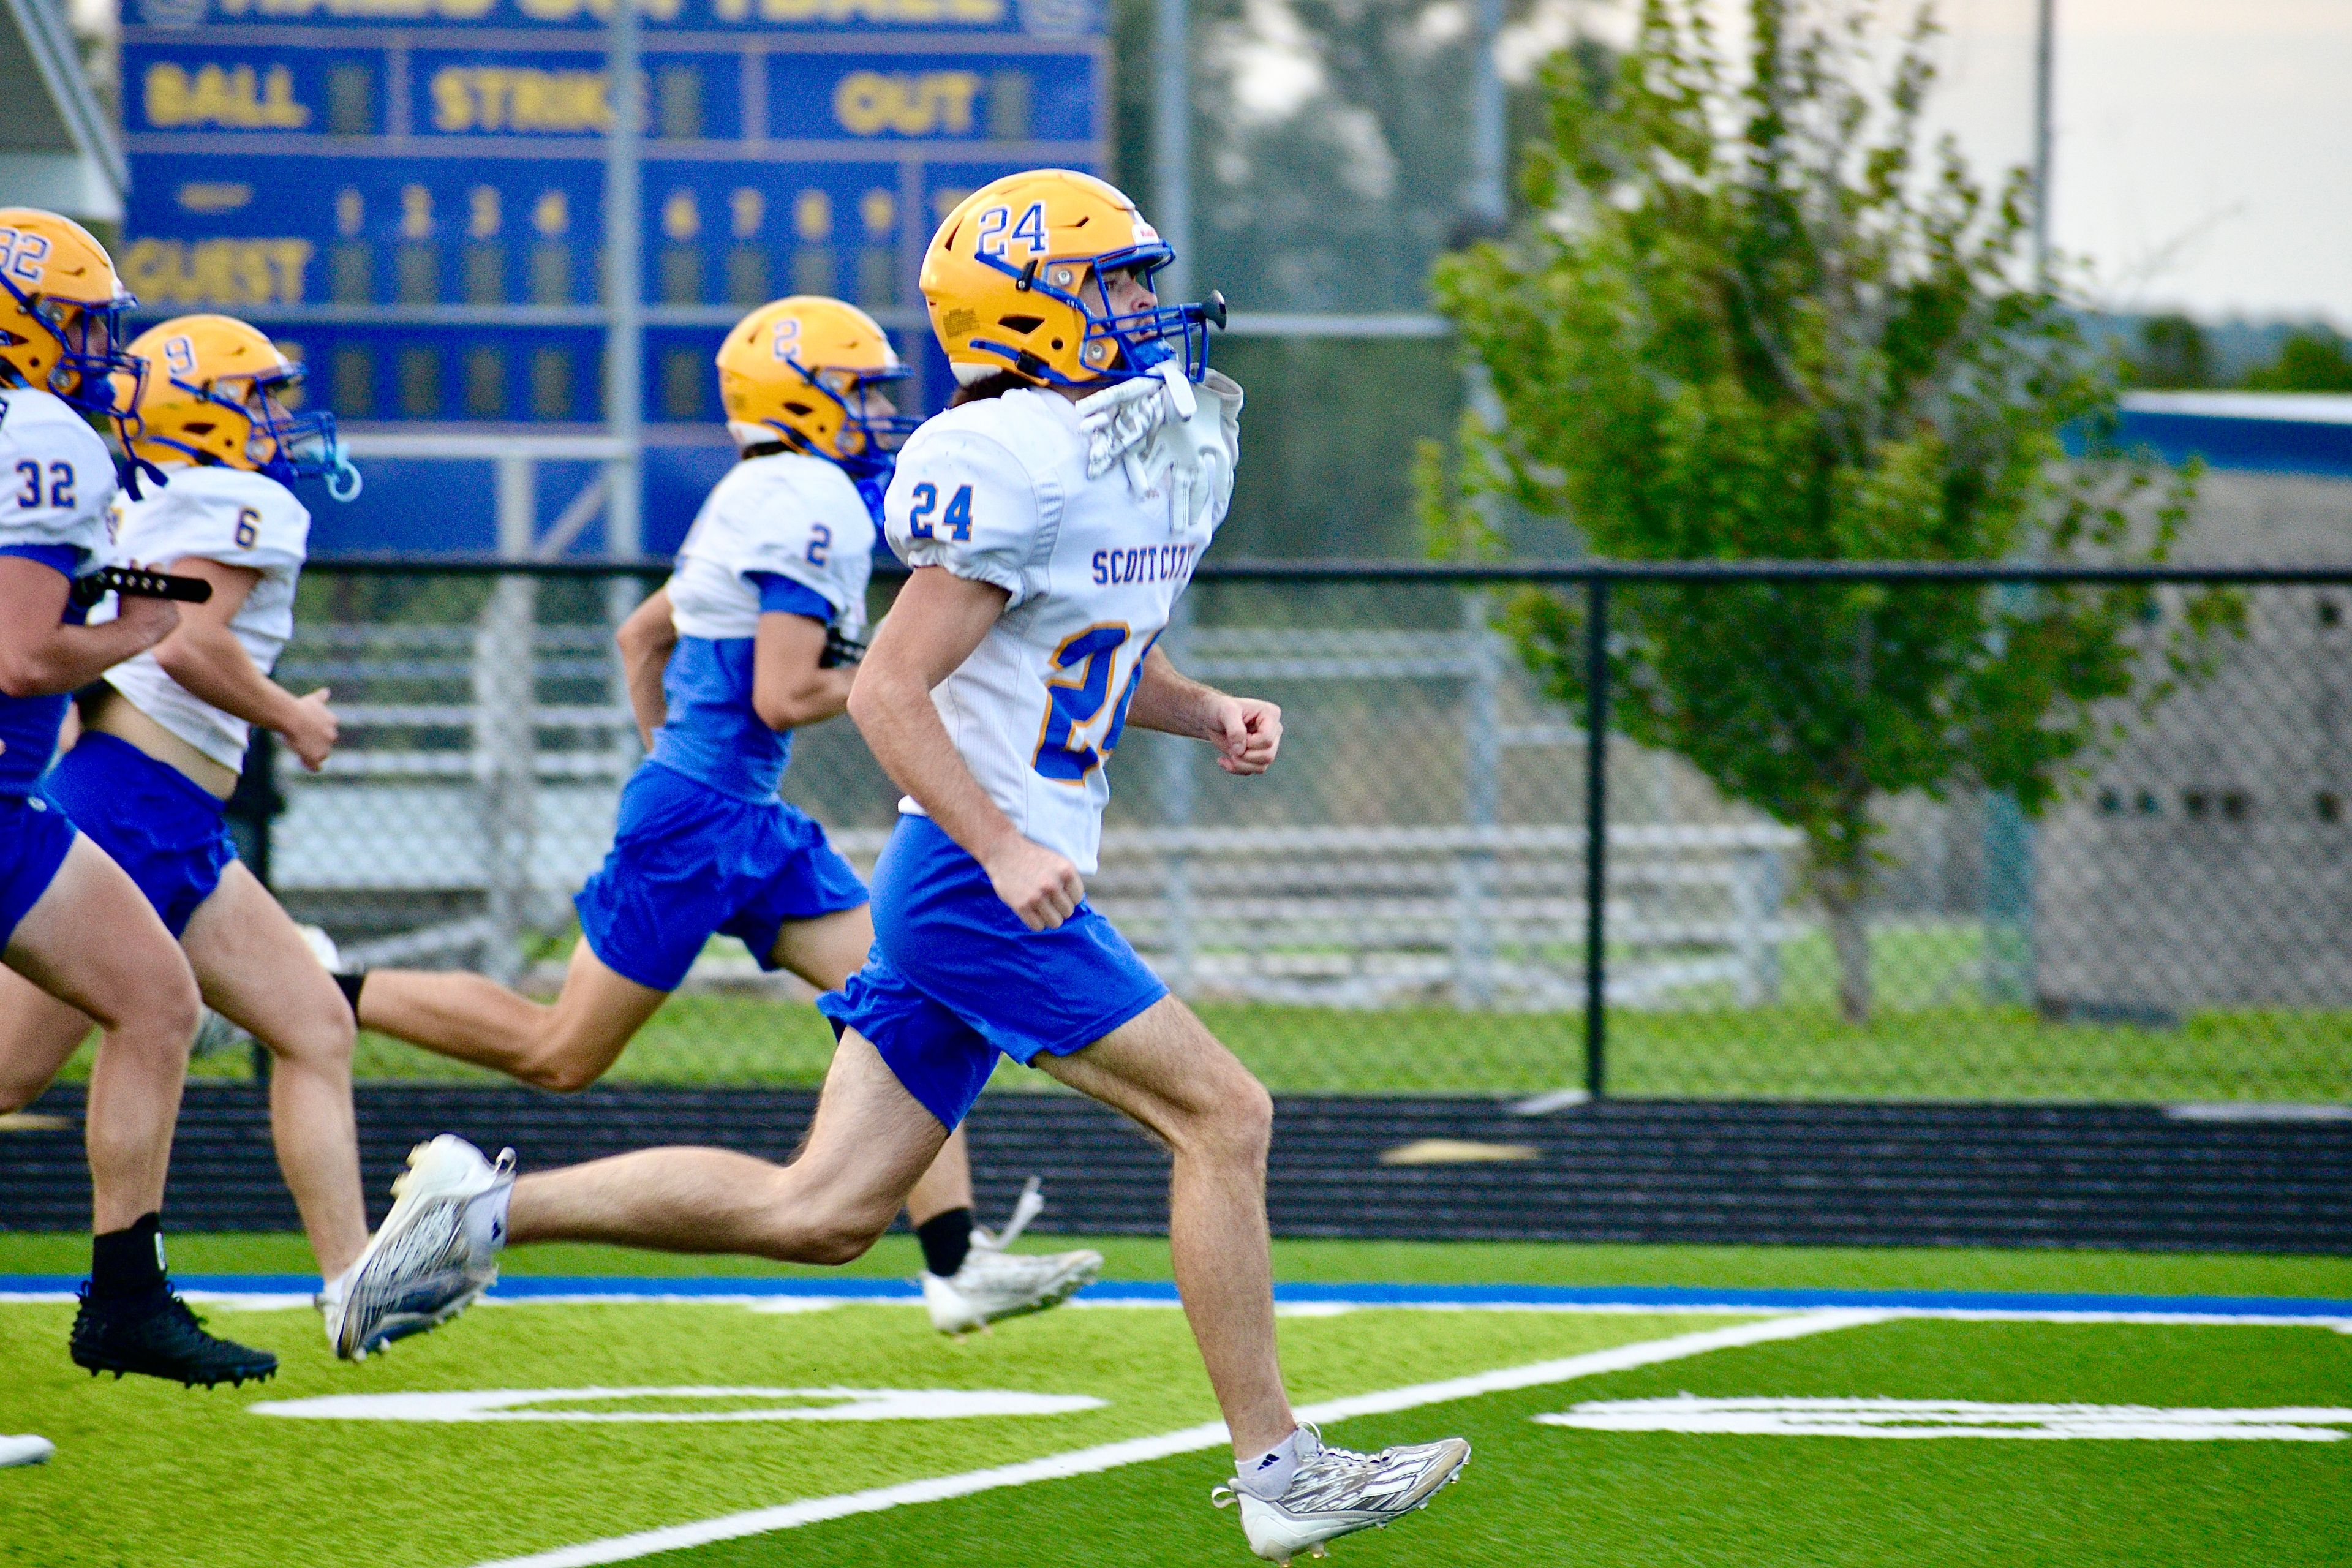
(786, 533)
(237, 519)
(57, 487)
(999, 491)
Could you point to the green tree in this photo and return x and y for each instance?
(2313, 361)
(1752, 319)
(2173, 355)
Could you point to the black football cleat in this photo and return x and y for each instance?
(157, 1336)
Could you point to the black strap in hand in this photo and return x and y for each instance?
(839, 650)
(139, 583)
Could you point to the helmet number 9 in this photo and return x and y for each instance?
(180, 354)
(993, 239)
(958, 517)
(22, 254)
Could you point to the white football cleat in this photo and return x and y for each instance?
(995, 1284)
(216, 1036)
(422, 1268)
(1338, 1491)
(24, 1450)
(330, 1301)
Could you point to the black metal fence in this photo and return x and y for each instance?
(1704, 831)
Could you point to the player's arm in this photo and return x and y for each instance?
(41, 656)
(645, 639)
(938, 621)
(790, 685)
(1247, 730)
(204, 656)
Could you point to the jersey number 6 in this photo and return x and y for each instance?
(1074, 701)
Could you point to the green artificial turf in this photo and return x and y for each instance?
(149, 1474)
(1543, 1495)
(1432, 1262)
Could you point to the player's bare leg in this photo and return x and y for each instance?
(39, 1035)
(870, 1142)
(1166, 1070)
(93, 942)
(255, 970)
(570, 1043)
(825, 952)
(945, 1186)
(565, 1046)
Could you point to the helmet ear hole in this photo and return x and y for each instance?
(1024, 325)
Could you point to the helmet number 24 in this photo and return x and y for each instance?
(994, 240)
(958, 516)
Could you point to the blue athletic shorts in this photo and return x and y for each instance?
(688, 862)
(157, 822)
(955, 977)
(34, 839)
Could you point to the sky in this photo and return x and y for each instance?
(2203, 154)
(2203, 148)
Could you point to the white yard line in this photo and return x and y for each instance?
(1190, 1439)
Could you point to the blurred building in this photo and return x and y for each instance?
(58, 145)
(2209, 861)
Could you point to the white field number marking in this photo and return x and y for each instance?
(785, 1405)
(1949, 1418)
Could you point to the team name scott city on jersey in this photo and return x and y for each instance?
(1165, 563)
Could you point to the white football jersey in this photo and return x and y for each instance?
(238, 519)
(1001, 491)
(797, 516)
(56, 476)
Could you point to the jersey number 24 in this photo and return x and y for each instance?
(1075, 700)
(957, 518)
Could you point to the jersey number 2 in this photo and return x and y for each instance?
(958, 517)
(1074, 701)
(61, 484)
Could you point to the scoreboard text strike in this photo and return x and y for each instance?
(412, 190)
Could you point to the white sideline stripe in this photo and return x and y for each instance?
(1188, 1440)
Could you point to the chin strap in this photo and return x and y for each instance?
(127, 469)
(343, 481)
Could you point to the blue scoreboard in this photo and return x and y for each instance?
(412, 190)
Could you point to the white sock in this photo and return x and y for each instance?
(1267, 1477)
(486, 1219)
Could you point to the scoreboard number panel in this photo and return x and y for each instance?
(411, 191)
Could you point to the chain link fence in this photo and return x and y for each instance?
(1407, 903)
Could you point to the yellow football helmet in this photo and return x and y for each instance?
(61, 313)
(1018, 279)
(214, 392)
(804, 370)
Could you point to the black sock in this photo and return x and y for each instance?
(947, 1241)
(127, 1263)
(349, 986)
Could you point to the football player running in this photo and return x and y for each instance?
(756, 634)
(162, 743)
(1050, 518)
(72, 923)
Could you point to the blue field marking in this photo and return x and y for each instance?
(1146, 1292)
